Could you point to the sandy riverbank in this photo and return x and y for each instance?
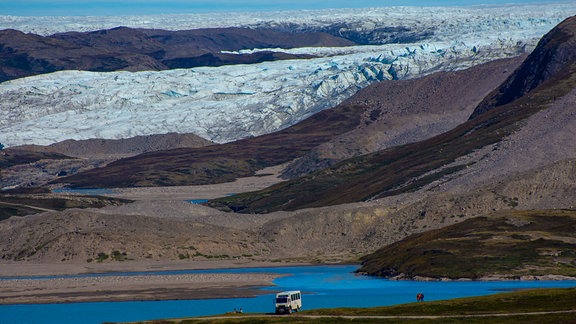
(133, 287)
(122, 288)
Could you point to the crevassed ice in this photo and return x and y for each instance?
(232, 102)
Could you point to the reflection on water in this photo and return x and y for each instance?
(321, 286)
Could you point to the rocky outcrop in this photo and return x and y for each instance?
(553, 58)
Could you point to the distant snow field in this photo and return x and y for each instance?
(232, 102)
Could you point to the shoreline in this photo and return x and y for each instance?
(134, 288)
(487, 278)
(10, 270)
(23, 283)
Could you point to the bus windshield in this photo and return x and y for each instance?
(282, 300)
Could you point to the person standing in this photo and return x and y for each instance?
(419, 297)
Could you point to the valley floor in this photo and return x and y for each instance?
(263, 179)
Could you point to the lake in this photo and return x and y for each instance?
(321, 286)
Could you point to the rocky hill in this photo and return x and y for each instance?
(509, 245)
(409, 167)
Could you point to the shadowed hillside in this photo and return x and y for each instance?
(34, 165)
(11, 157)
(553, 58)
(407, 111)
(409, 167)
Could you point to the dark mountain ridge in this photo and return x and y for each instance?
(99, 148)
(131, 49)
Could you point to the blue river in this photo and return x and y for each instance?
(321, 286)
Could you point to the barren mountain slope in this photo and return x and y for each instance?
(407, 168)
(407, 111)
(80, 236)
(544, 139)
(347, 231)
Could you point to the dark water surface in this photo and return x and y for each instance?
(321, 286)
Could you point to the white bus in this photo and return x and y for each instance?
(288, 301)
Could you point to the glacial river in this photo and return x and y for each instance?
(321, 286)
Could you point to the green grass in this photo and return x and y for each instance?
(527, 301)
(533, 300)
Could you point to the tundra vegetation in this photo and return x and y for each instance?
(528, 306)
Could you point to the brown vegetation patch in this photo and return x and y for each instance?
(483, 247)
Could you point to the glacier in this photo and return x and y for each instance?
(227, 103)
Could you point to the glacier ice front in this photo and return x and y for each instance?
(218, 103)
(227, 103)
